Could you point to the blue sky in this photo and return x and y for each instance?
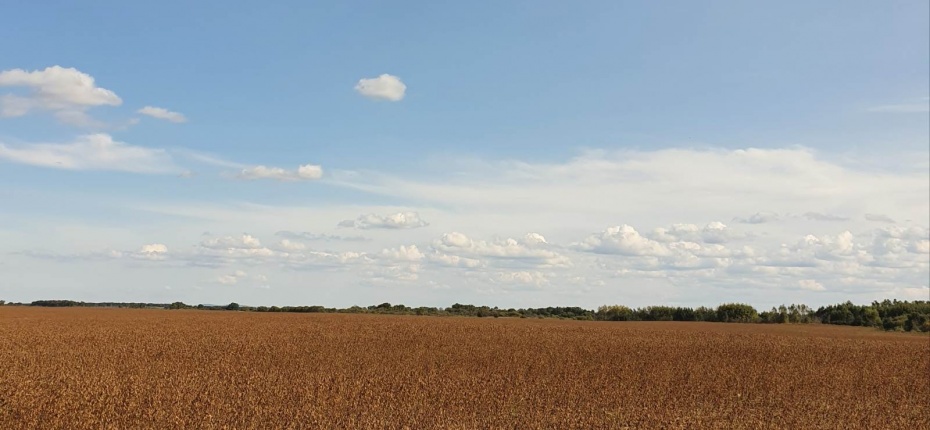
(599, 126)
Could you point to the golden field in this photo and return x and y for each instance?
(133, 369)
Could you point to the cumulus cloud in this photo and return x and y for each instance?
(404, 253)
(884, 261)
(384, 87)
(66, 92)
(91, 152)
(305, 172)
(622, 240)
(531, 250)
(154, 251)
(162, 113)
(686, 259)
(400, 220)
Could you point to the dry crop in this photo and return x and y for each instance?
(133, 369)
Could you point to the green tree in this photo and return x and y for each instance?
(870, 317)
(736, 312)
(232, 306)
(614, 313)
(917, 322)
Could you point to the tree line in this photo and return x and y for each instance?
(894, 315)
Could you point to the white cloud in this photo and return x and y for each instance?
(883, 262)
(400, 220)
(384, 87)
(305, 172)
(403, 253)
(155, 251)
(678, 252)
(91, 152)
(155, 248)
(162, 113)
(532, 278)
(532, 250)
(706, 184)
(245, 241)
(758, 218)
(453, 260)
(240, 276)
(66, 92)
(231, 278)
(713, 232)
(622, 240)
(291, 246)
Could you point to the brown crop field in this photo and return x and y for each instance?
(135, 369)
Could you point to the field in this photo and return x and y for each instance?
(111, 368)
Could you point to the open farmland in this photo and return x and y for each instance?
(111, 368)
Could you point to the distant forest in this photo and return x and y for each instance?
(892, 315)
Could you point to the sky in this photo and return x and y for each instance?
(512, 154)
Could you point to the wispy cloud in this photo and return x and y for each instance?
(914, 107)
(879, 218)
(162, 113)
(91, 152)
(400, 220)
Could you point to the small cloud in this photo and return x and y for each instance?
(155, 248)
(239, 276)
(162, 113)
(817, 216)
(305, 172)
(231, 278)
(879, 218)
(400, 220)
(384, 87)
(758, 218)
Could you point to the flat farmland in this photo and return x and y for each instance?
(113, 368)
